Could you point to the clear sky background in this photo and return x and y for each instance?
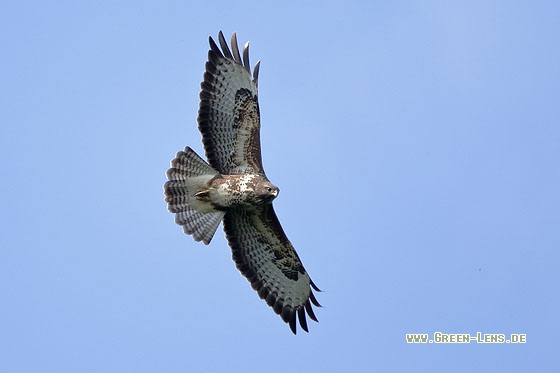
(416, 145)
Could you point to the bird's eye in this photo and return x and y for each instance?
(269, 189)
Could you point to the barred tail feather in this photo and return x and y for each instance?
(201, 225)
(190, 174)
(188, 164)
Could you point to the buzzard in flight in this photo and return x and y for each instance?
(232, 187)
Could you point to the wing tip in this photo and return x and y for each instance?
(291, 315)
(300, 315)
(214, 47)
(246, 63)
(314, 286)
(232, 54)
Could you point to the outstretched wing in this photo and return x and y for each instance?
(228, 117)
(265, 256)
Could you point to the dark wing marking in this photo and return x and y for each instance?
(265, 256)
(228, 116)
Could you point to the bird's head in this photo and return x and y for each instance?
(267, 191)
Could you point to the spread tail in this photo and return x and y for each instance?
(188, 177)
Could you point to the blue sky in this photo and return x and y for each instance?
(416, 145)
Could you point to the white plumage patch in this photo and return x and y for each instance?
(244, 183)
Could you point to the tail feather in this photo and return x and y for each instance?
(189, 174)
(188, 164)
(201, 225)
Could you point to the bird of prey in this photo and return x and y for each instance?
(232, 187)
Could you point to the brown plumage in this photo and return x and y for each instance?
(232, 187)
